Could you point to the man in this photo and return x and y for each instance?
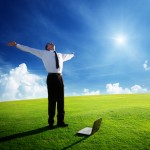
(53, 63)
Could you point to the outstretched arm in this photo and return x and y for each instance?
(36, 52)
(67, 56)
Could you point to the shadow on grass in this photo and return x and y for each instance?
(37, 131)
(71, 145)
(24, 134)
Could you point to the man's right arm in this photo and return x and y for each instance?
(34, 51)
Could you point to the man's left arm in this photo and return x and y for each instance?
(66, 57)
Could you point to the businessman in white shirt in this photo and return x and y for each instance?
(53, 63)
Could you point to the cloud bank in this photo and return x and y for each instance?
(117, 89)
(20, 84)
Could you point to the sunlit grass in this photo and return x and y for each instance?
(125, 124)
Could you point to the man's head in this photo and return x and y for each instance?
(49, 46)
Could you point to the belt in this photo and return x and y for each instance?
(54, 74)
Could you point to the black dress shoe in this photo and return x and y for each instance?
(51, 126)
(62, 125)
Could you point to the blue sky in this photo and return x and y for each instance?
(110, 39)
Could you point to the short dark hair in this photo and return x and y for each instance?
(48, 44)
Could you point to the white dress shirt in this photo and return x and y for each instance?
(48, 58)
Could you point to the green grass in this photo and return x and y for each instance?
(125, 124)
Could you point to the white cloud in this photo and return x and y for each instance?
(117, 89)
(138, 89)
(114, 88)
(145, 66)
(20, 84)
(88, 92)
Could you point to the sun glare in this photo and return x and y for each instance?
(120, 40)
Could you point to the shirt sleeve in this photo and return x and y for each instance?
(66, 57)
(33, 51)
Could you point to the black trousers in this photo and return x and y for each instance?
(55, 88)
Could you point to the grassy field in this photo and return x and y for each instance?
(125, 124)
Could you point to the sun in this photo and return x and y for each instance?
(120, 40)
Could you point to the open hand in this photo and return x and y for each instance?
(13, 43)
